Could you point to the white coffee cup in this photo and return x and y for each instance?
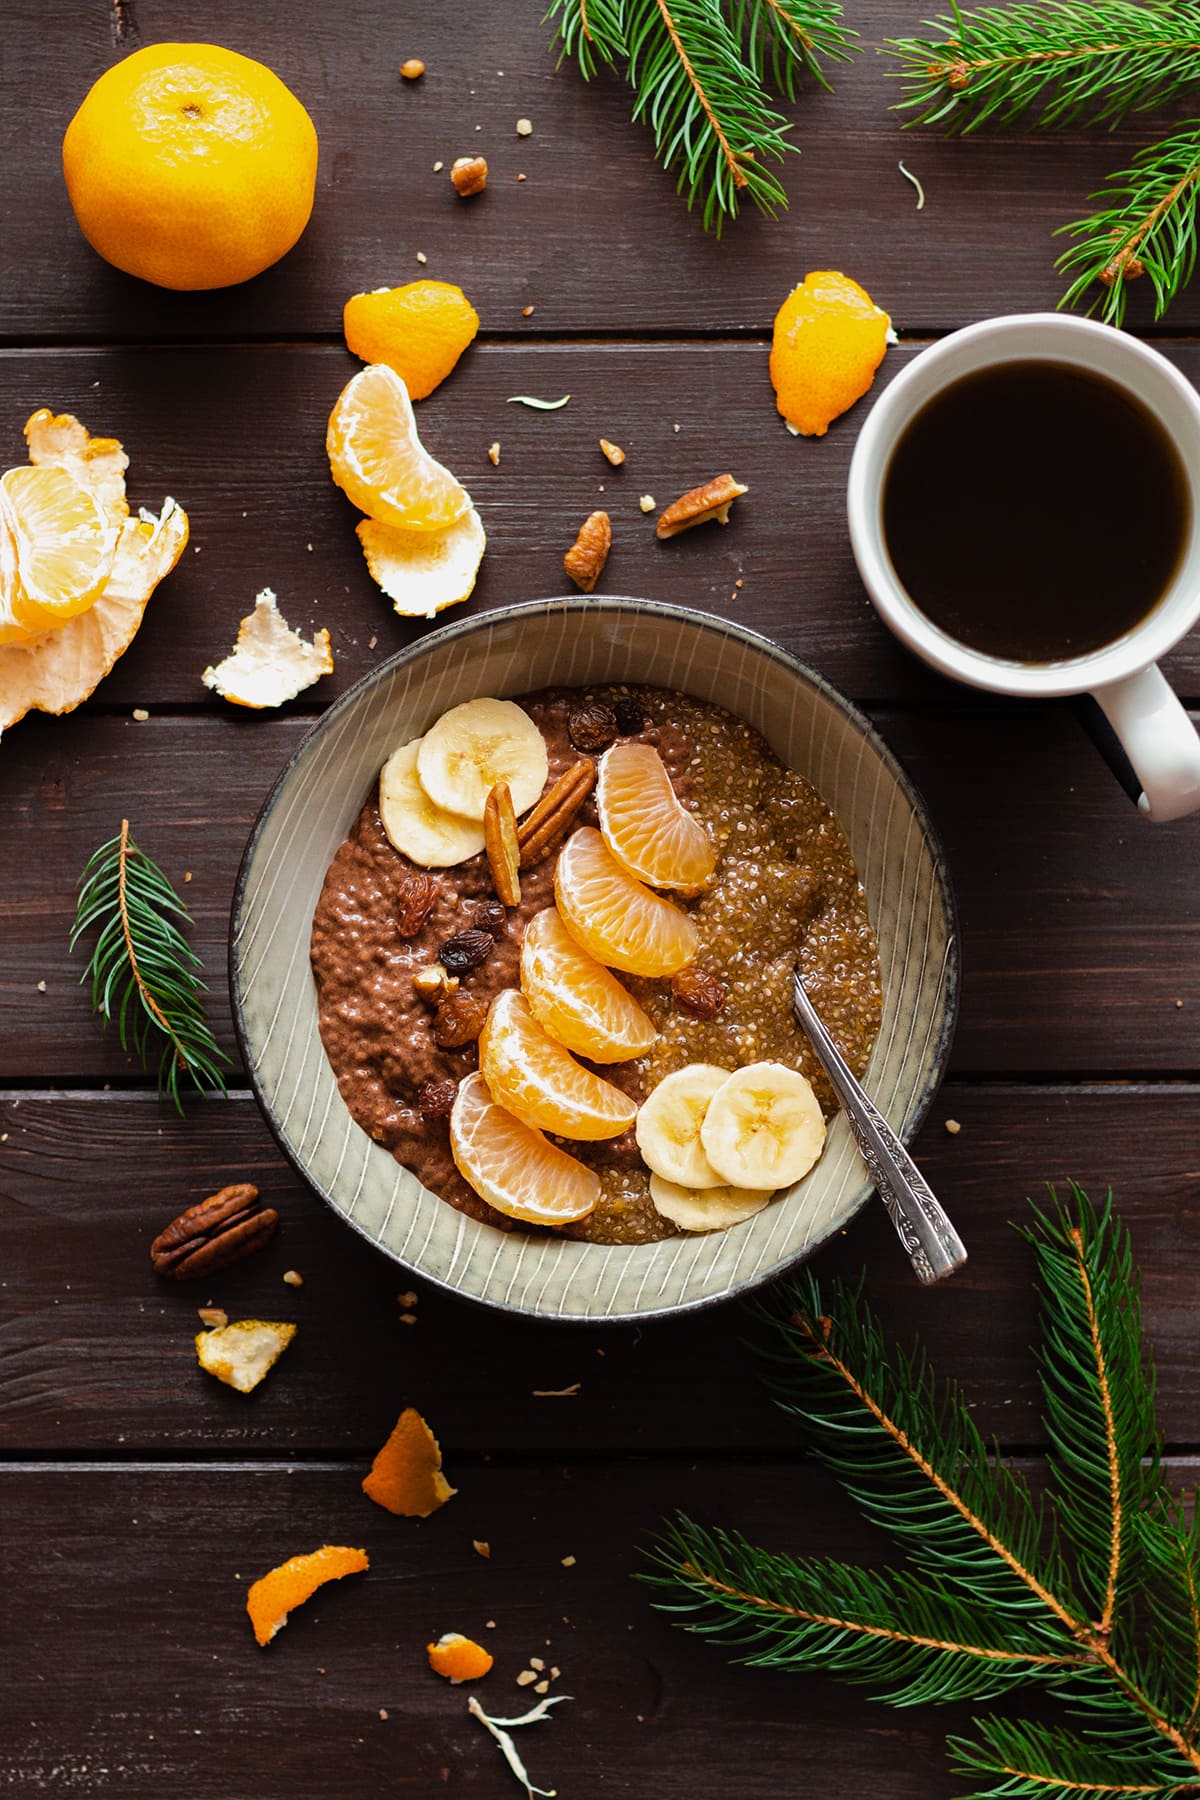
(1154, 730)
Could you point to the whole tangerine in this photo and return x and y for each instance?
(191, 166)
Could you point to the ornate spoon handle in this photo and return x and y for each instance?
(934, 1247)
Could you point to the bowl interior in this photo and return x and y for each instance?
(808, 724)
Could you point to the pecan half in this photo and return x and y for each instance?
(554, 814)
(711, 500)
(469, 175)
(500, 842)
(213, 1234)
(585, 560)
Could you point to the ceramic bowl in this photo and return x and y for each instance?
(310, 809)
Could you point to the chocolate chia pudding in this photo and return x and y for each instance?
(785, 890)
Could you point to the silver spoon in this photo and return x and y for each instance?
(934, 1247)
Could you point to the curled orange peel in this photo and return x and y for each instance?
(406, 1476)
(273, 1596)
(458, 1658)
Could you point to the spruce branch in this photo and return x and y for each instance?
(142, 969)
(1093, 1598)
(1148, 228)
(699, 70)
(1068, 61)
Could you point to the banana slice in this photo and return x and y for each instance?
(474, 746)
(706, 1209)
(420, 830)
(668, 1126)
(763, 1127)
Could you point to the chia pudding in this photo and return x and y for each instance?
(785, 892)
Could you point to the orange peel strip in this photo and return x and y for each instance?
(273, 1596)
(406, 1477)
(458, 1658)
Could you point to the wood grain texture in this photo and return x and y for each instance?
(238, 437)
(138, 1673)
(96, 1353)
(1079, 931)
(595, 239)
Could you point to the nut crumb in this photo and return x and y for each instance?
(293, 1278)
(373, 642)
(212, 1316)
(421, 257)
(526, 312)
(412, 70)
(468, 175)
(438, 167)
(568, 1562)
(140, 714)
(494, 454)
(541, 1687)
(953, 1127)
(187, 875)
(613, 452)
(520, 178)
(489, 1624)
(41, 987)
(525, 1677)
(383, 1712)
(554, 1674)
(481, 1547)
(524, 128)
(538, 1663)
(408, 1318)
(409, 1299)
(674, 428)
(647, 503)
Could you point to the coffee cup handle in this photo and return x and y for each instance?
(1158, 738)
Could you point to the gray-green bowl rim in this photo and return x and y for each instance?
(754, 640)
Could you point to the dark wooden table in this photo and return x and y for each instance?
(138, 1497)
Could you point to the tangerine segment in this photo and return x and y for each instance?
(56, 551)
(576, 999)
(644, 824)
(420, 330)
(830, 337)
(406, 1476)
(512, 1166)
(540, 1082)
(275, 1595)
(380, 462)
(617, 920)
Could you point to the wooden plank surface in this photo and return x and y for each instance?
(96, 1353)
(595, 239)
(238, 436)
(1079, 930)
(142, 1572)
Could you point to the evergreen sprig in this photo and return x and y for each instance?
(1090, 1596)
(699, 70)
(143, 971)
(1068, 62)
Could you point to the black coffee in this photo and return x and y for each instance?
(1035, 511)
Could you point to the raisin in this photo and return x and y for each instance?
(592, 727)
(629, 716)
(466, 950)
(699, 993)
(435, 1099)
(459, 1020)
(415, 894)
(492, 917)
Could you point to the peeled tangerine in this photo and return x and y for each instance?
(269, 663)
(512, 1166)
(275, 1595)
(830, 337)
(76, 570)
(406, 1476)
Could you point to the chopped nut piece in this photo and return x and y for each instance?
(568, 1562)
(524, 128)
(469, 175)
(481, 1547)
(585, 560)
(438, 167)
(500, 842)
(411, 1299)
(293, 1277)
(647, 503)
(526, 311)
(525, 1677)
(140, 714)
(953, 1127)
(613, 452)
(212, 1316)
(540, 830)
(421, 257)
(433, 983)
(541, 1687)
(408, 1318)
(711, 500)
(494, 454)
(459, 1020)
(554, 1674)
(521, 177)
(538, 1663)
(413, 69)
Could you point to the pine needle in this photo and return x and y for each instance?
(1149, 228)
(142, 969)
(1095, 1602)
